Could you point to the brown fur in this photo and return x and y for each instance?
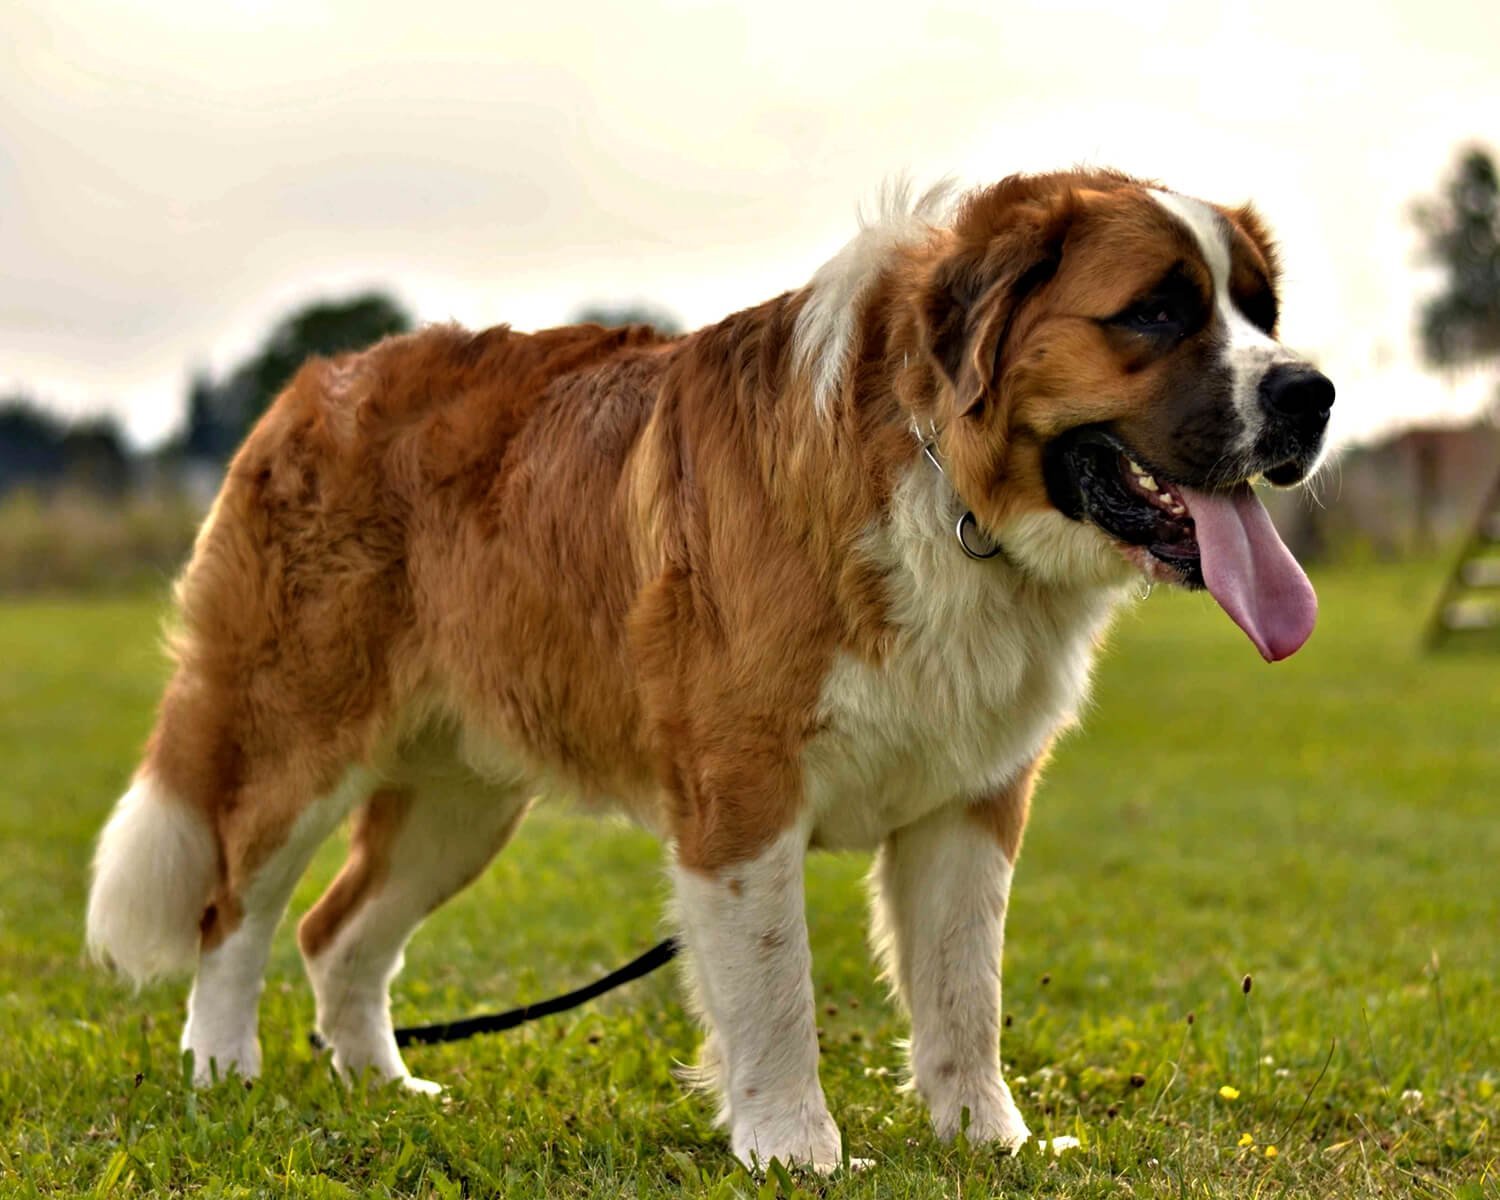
(1004, 815)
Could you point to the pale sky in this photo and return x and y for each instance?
(176, 175)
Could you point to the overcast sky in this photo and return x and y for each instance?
(174, 176)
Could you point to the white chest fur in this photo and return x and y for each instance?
(987, 665)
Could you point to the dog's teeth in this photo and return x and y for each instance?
(1147, 482)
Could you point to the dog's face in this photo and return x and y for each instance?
(1113, 363)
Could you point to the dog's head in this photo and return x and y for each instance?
(1110, 384)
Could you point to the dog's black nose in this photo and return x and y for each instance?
(1298, 392)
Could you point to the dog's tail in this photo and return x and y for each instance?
(154, 870)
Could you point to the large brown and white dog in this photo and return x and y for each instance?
(727, 582)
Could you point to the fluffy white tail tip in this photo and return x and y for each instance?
(153, 871)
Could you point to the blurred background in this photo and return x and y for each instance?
(195, 196)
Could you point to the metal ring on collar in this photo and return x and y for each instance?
(966, 521)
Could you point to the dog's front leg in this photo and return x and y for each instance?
(746, 931)
(941, 889)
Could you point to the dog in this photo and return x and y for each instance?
(829, 573)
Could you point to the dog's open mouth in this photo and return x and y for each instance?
(1093, 476)
(1222, 540)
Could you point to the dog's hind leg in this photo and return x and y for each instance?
(194, 869)
(263, 860)
(414, 846)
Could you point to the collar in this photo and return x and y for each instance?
(973, 540)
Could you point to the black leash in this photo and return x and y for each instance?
(455, 1031)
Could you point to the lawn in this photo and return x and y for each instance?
(1326, 828)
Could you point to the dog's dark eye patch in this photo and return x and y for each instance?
(1258, 302)
(1172, 309)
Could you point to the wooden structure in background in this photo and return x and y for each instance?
(1470, 602)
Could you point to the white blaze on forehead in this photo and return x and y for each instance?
(1248, 351)
(1207, 228)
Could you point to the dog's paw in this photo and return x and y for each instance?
(993, 1118)
(801, 1139)
(376, 1060)
(214, 1066)
(758, 1166)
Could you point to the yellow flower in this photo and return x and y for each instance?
(1229, 1093)
(1246, 1140)
(1270, 1151)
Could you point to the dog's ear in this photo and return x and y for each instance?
(975, 293)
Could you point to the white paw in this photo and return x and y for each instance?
(210, 1067)
(800, 1139)
(377, 1058)
(822, 1169)
(994, 1119)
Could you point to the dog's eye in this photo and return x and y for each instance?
(1152, 316)
(1171, 309)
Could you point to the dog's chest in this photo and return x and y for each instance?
(983, 672)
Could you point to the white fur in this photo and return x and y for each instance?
(941, 887)
(990, 660)
(822, 343)
(224, 1003)
(1249, 352)
(222, 1010)
(153, 870)
(447, 837)
(746, 931)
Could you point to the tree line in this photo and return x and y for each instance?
(42, 451)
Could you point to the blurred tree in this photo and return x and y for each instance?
(221, 413)
(42, 451)
(30, 444)
(211, 432)
(326, 328)
(1461, 324)
(95, 457)
(628, 313)
(1462, 232)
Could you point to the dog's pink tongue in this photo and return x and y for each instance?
(1250, 572)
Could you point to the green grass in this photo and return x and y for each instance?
(1327, 826)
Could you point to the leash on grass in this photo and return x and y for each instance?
(456, 1031)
